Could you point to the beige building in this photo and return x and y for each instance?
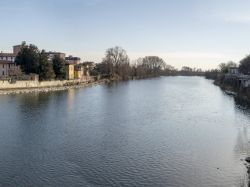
(78, 71)
(70, 74)
(7, 68)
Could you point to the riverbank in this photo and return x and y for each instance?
(234, 89)
(29, 86)
(51, 88)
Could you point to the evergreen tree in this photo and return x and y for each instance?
(245, 65)
(59, 67)
(28, 59)
(46, 71)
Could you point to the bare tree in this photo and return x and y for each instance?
(117, 61)
(153, 64)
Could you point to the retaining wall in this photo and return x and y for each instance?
(4, 84)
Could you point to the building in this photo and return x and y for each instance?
(70, 74)
(16, 49)
(7, 57)
(233, 70)
(73, 60)
(7, 62)
(79, 71)
(7, 68)
(51, 55)
(10, 56)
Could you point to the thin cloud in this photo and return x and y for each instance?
(193, 55)
(238, 18)
(184, 55)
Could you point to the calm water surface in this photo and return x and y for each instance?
(173, 131)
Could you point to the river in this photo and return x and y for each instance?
(168, 131)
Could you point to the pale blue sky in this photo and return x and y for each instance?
(197, 33)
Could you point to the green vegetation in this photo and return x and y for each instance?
(244, 66)
(59, 67)
(28, 59)
(32, 60)
(224, 67)
(46, 71)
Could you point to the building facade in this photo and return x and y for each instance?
(78, 71)
(70, 74)
(7, 68)
(7, 62)
(233, 70)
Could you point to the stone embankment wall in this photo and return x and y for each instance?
(5, 84)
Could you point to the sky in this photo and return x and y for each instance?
(195, 33)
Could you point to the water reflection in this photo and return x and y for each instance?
(71, 100)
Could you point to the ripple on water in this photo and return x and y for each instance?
(173, 131)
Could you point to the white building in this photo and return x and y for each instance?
(233, 70)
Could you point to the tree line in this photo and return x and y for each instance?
(223, 68)
(116, 64)
(231, 83)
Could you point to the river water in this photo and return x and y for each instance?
(169, 131)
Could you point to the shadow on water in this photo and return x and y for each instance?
(241, 103)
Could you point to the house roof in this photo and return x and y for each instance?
(72, 58)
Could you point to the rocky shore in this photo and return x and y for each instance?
(242, 96)
(51, 89)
